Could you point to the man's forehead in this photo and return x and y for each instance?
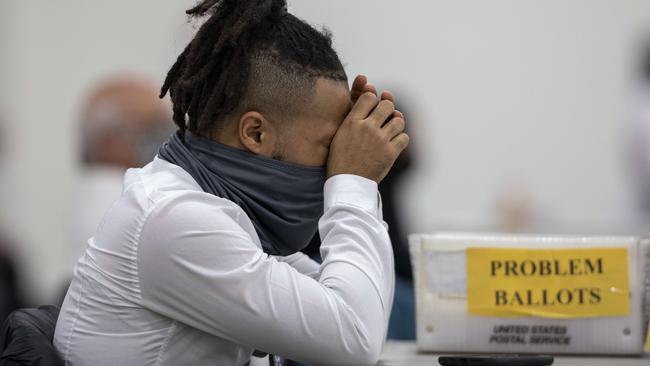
(331, 99)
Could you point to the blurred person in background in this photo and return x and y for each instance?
(401, 325)
(514, 208)
(9, 295)
(123, 122)
(640, 147)
(402, 319)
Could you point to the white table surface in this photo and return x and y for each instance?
(405, 353)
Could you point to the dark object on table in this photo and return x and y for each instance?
(501, 360)
(26, 338)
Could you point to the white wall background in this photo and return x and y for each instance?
(499, 92)
(504, 92)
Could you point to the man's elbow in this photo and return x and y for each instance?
(369, 357)
(366, 353)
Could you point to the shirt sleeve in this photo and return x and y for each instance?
(302, 263)
(199, 267)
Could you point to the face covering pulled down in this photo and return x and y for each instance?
(283, 200)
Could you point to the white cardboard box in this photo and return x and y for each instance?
(444, 325)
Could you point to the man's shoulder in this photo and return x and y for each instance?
(160, 177)
(174, 198)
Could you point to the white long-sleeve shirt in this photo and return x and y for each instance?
(176, 276)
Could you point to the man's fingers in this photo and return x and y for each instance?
(364, 105)
(359, 82)
(387, 95)
(393, 128)
(384, 110)
(358, 86)
(401, 141)
(369, 88)
(361, 86)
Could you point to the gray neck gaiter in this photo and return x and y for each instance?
(283, 200)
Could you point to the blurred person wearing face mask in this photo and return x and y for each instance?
(123, 122)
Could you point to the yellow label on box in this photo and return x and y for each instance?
(548, 283)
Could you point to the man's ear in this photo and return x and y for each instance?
(256, 133)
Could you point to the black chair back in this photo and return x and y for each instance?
(26, 338)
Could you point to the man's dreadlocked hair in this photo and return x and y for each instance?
(247, 54)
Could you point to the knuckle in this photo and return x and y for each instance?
(402, 140)
(368, 96)
(395, 126)
(399, 122)
(365, 126)
(387, 104)
(407, 139)
(372, 118)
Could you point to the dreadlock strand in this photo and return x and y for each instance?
(173, 74)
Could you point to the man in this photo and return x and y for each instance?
(198, 262)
